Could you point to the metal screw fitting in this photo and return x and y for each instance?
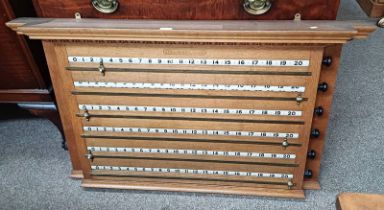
(89, 156)
(86, 115)
(285, 143)
(290, 184)
(102, 68)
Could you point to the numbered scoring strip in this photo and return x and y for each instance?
(193, 152)
(293, 113)
(192, 132)
(174, 86)
(194, 171)
(188, 61)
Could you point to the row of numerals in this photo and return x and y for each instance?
(190, 110)
(191, 132)
(188, 61)
(194, 171)
(174, 86)
(193, 152)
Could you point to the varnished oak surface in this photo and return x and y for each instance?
(190, 10)
(298, 40)
(77, 174)
(187, 187)
(194, 31)
(311, 185)
(359, 201)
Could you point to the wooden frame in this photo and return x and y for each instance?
(66, 40)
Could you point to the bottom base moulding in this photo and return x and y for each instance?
(311, 185)
(77, 174)
(178, 187)
(308, 185)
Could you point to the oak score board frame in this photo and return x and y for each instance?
(199, 106)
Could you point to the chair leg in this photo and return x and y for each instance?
(46, 110)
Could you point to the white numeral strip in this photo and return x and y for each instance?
(193, 152)
(293, 113)
(194, 171)
(173, 86)
(191, 132)
(188, 61)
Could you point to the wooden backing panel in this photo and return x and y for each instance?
(190, 186)
(185, 124)
(185, 78)
(238, 181)
(188, 102)
(195, 93)
(179, 51)
(175, 50)
(67, 105)
(190, 51)
(324, 99)
(298, 180)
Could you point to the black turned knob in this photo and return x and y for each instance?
(323, 87)
(308, 174)
(319, 111)
(327, 61)
(315, 133)
(311, 154)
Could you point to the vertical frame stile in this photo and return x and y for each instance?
(62, 83)
(316, 54)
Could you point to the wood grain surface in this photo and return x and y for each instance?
(359, 201)
(190, 10)
(181, 172)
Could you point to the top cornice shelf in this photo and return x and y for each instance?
(193, 31)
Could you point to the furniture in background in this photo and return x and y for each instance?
(359, 201)
(217, 10)
(190, 10)
(24, 74)
(373, 8)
